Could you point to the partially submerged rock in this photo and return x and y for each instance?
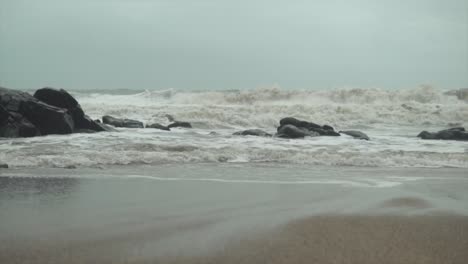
(355, 134)
(456, 133)
(298, 123)
(158, 126)
(324, 130)
(253, 132)
(180, 124)
(291, 131)
(121, 122)
(3, 166)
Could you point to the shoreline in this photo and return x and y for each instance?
(324, 214)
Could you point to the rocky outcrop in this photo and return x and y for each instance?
(24, 115)
(121, 122)
(457, 133)
(50, 111)
(158, 126)
(253, 132)
(180, 124)
(355, 134)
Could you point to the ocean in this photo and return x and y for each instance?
(391, 118)
(204, 195)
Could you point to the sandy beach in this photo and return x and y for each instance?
(104, 216)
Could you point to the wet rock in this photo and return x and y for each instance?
(355, 134)
(15, 125)
(253, 132)
(298, 123)
(456, 133)
(158, 126)
(24, 115)
(291, 131)
(62, 99)
(324, 130)
(180, 124)
(121, 122)
(3, 166)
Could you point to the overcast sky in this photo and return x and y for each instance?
(235, 44)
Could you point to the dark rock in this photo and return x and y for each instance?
(325, 130)
(3, 166)
(107, 128)
(158, 126)
(291, 131)
(298, 123)
(18, 126)
(253, 132)
(426, 135)
(119, 122)
(180, 124)
(456, 133)
(61, 98)
(355, 134)
(48, 119)
(4, 115)
(27, 116)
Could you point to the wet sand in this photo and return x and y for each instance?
(320, 239)
(350, 239)
(67, 218)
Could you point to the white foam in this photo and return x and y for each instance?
(150, 146)
(263, 108)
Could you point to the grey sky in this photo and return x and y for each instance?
(220, 44)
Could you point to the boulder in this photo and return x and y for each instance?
(291, 131)
(180, 124)
(3, 166)
(324, 130)
(456, 133)
(61, 98)
(158, 126)
(121, 122)
(298, 123)
(24, 115)
(253, 132)
(355, 134)
(15, 125)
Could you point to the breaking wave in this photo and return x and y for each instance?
(422, 106)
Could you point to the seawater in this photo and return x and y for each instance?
(391, 118)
